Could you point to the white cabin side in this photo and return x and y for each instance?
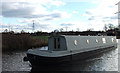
(83, 43)
(88, 43)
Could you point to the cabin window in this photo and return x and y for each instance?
(87, 41)
(112, 39)
(96, 41)
(58, 42)
(75, 42)
(104, 40)
(55, 43)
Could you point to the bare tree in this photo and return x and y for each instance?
(119, 26)
(22, 31)
(66, 28)
(56, 30)
(90, 29)
(110, 26)
(105, 27)
(61, 29)
(5, 30)
(78, 29)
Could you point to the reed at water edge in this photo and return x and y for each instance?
(19, 42)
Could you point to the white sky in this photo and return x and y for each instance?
(56, 14)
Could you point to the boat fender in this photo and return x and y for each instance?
(25, 58)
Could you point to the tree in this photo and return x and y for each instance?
(110, 26)
(66, 28)
(119, 26)
(90, 29)
(22, 31)
(56, 30)
(105, 28)
(5, 30)
(78, 29)
(61, 29)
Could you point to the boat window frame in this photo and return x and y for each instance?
(103, 40)
(96, 40)
(112, 39)
(87, 41)
(75, 42)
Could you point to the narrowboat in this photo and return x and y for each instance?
(66, 48)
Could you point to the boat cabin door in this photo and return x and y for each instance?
(57, 43)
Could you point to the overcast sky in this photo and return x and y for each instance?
(49, 15)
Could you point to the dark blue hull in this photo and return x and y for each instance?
(39, 61)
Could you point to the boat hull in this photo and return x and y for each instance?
(38, 61)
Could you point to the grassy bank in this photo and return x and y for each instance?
(14, 42)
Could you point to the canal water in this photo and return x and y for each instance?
(107, 61)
